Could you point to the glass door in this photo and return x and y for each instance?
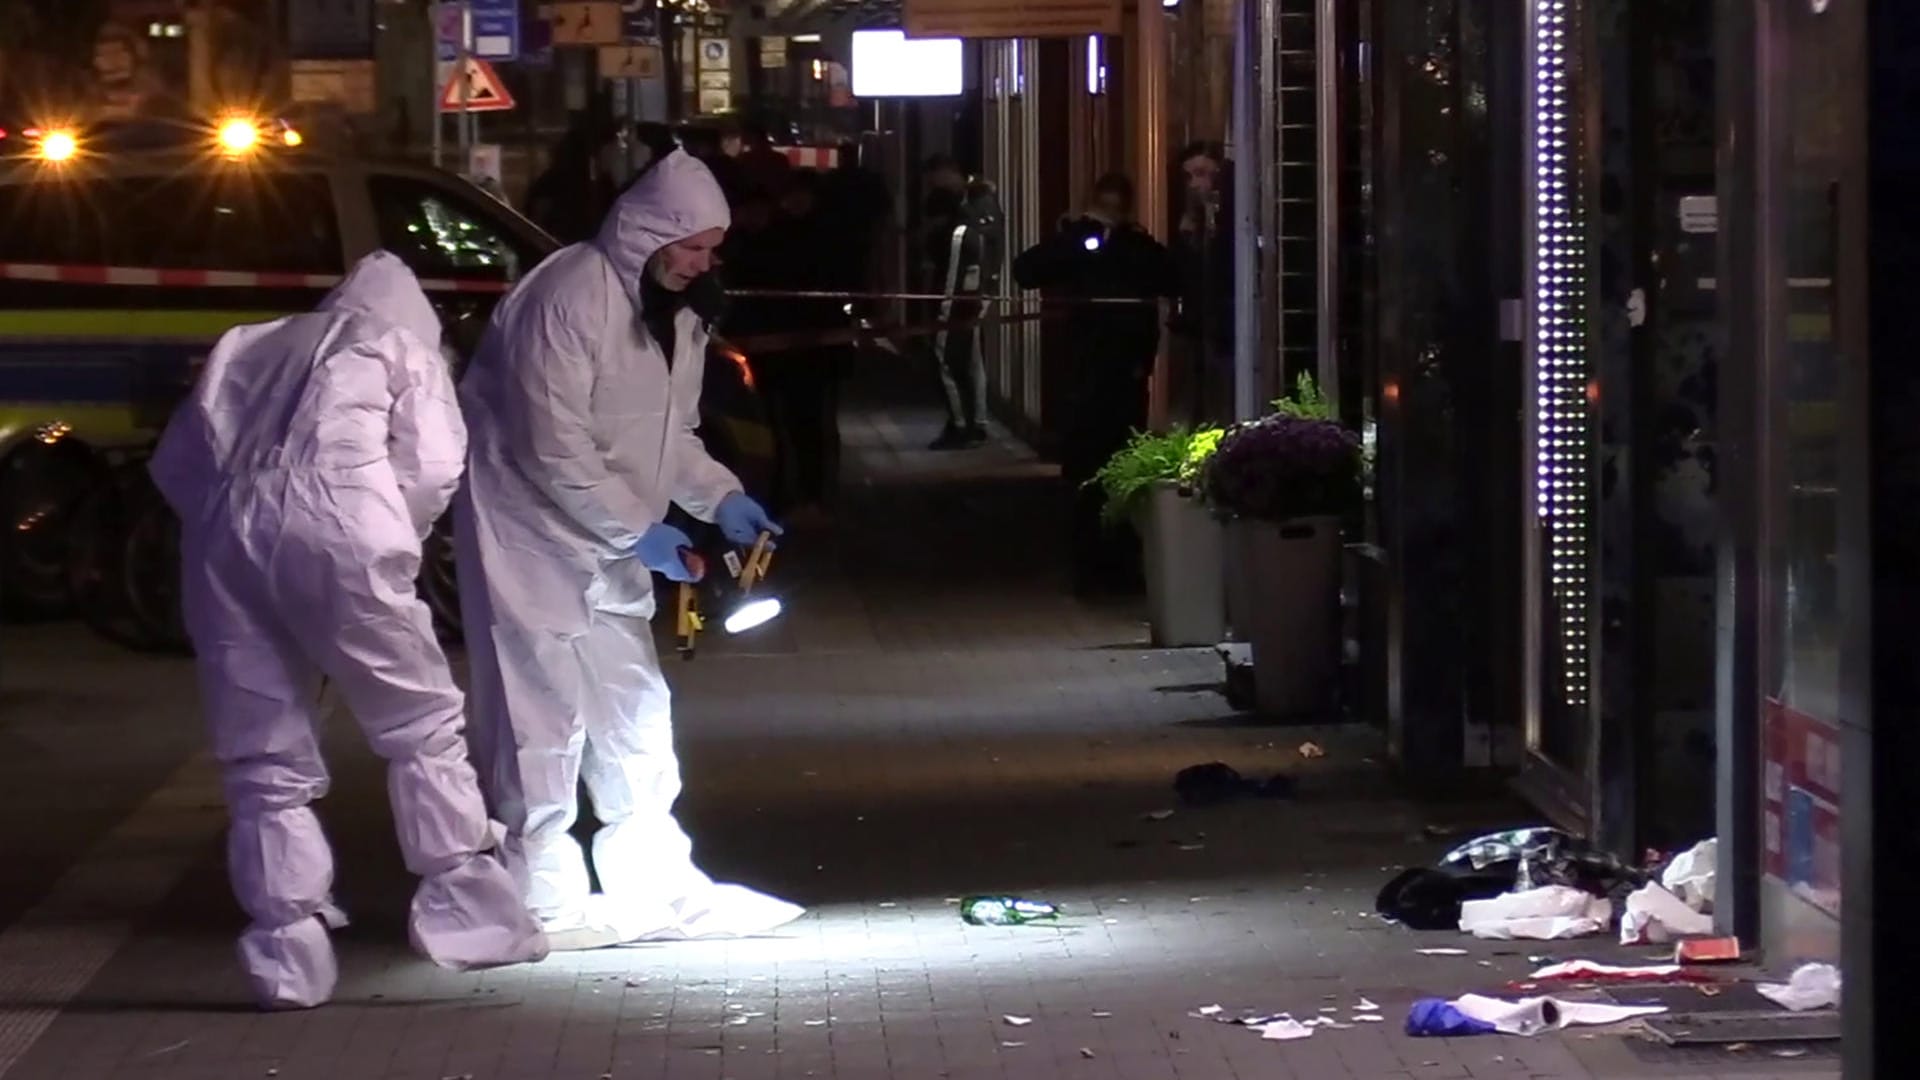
(1815, 107)
(1792, 170)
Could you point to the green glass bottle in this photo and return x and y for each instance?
(1005, 910)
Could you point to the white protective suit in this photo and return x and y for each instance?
(314, 455)
(583, 434)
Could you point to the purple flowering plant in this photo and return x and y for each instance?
(1298, 462)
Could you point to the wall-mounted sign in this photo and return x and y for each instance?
(1010, 18)
(586, 23)
(631, 62)
(348, 84)
(1699, 214)
(640, 20)
(716, 54)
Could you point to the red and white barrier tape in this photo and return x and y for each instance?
(812, 157)
(211, 279)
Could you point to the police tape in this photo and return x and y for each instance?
(181, 278)
(956, 298)
(867, 333)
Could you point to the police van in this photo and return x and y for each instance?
(126, 250)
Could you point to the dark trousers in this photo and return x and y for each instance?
(802, 392)
(1107, 410)
(962, 366)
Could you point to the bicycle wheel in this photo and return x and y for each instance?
(95, 539)
(41, 482)
(150, 567)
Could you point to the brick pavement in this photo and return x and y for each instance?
(934, 718)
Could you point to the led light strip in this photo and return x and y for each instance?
(1562, 429)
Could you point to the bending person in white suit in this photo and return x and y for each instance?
(313, 457)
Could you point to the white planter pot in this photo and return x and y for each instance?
(1289, 575)
(1184, 549)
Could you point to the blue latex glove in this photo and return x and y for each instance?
(660, 550)
(742, 520)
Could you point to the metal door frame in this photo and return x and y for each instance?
(1559, 342)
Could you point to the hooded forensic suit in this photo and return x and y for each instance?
(312, 458)
(584, 431)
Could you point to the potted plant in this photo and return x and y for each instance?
(1282, 483)
(1153, 482)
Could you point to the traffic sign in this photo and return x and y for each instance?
(485, 91)
(586, 23)
(640, 21)
(496, 29)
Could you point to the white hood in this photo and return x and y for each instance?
(381, 287)
(675, 199)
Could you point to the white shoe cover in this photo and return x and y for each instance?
(472, 917)
(728, 911)
(292, 966)
(601, 922)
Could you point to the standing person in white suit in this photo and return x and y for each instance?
(584, 401)
(313, 457)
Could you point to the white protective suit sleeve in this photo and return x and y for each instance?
(547, 424)
(427, 437)
(702, 482)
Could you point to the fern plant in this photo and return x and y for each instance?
(1307, 402)
(1152, 458)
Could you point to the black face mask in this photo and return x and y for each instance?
(707, 296)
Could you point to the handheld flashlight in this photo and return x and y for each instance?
(741, 608)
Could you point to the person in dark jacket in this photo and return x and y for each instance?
(1103, 253)
(801, 383)
(571, 197)
(1202, 324)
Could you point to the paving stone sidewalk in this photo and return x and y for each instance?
(934, 719)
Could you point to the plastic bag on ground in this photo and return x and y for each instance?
(1540, 856)
(1438, 1018)
(1543, 914)
(1655, 916)
(1531, 1016)
(1811, 986)
(1690, 875)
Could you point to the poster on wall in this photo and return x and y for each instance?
(1801, 819)
(349, 85)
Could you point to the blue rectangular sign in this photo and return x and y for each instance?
(496, 29)
(640, 21)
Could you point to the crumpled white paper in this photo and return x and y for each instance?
(1286, 1028)
(1531, 1016)
(1811, 986)
(1690, 875)
(1543, 914)
(1655, 916)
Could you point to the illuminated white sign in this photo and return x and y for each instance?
(888, 65)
